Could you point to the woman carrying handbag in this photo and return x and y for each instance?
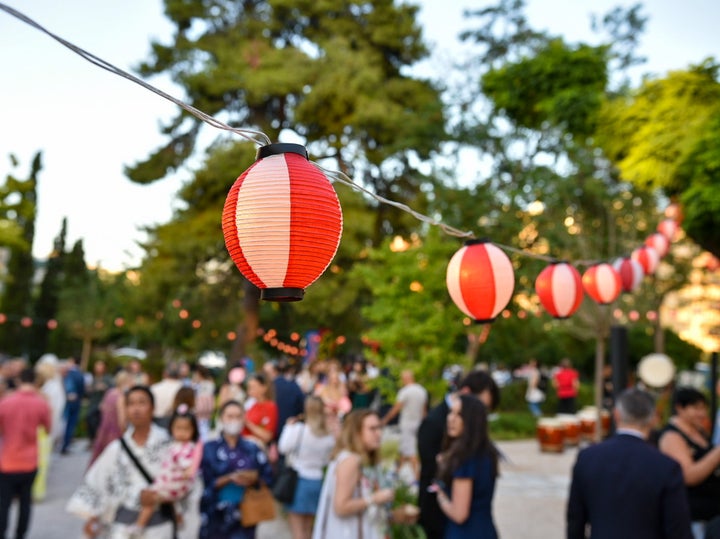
(307, 447)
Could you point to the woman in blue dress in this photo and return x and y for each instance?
(230, 464)
(467, 469)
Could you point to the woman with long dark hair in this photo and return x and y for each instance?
(467, 469)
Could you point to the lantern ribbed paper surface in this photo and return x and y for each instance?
(659, 242)
(602, 283)
(648, 259)
(559, 288)
(631, 273)
(480, 280)
(282, 222)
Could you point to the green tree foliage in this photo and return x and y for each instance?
(18, 203)
(665, 136)
(46, 303)
(333, 73)
(411, 314)
(559, 86)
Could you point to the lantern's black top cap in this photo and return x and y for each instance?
(477, 241)
(281, 147)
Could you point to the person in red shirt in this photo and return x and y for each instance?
(261, 419)
(21, 413)
(567, 384)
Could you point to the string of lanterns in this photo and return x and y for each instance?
(559, 286)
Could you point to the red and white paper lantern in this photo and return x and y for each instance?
(668, 228)
(602, 283)
(559, 288)
(659, 242)
(480, 279)
(282, 222)
(631, 273)
(647, 257)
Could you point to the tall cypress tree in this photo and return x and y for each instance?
(46, 304)
(18, 202)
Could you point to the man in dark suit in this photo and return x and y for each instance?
(624, 487)
(430, 436)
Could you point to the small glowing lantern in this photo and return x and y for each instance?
(648, 259)
(559, 288)
(668, 228)
(480, 280)
(282, 222)
(659, 242)
(631, 273)
(602, 283)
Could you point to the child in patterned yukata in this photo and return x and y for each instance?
(179, 467)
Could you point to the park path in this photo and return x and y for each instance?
(529, 501)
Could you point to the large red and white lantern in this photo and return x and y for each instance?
(282, 222)
(659, 242)
(602, 283)
(668, 228)
(631, 273)
(559, 288)
(647, 257)
(480, 279)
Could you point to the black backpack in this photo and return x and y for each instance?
(543, 381)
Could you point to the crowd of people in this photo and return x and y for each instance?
(184, 457)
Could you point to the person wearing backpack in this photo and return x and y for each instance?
(535, 394)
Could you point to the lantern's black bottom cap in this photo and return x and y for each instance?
(282, 294)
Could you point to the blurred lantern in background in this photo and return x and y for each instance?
(559, 288)
(602, 283)
(647, 257)
(674, 212)
(282, 222)
(668, 228)
(659, 242)
(631, 273)
(480, 279)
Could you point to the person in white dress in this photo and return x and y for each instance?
(307, 446)
(352, 503)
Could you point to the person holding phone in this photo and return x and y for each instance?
(467, 470)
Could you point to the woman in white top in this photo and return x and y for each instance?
(307, 447)
(352, 504)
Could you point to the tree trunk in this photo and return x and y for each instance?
(247, 328)
(85, 353)
(658, 335)
(599, 362)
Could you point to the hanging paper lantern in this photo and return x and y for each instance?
(659, 242)
(647, 257)
(559, 288)
(674, 211)
(282, 222)
(668, 228)
(602, 283)
(631, 273)
(480, 279)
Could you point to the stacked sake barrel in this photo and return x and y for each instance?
(554, 434)
(588, 416)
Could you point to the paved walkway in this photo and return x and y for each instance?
(529, 501)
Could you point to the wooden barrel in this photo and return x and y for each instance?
(551, 435)
(605, 423)
(588, 423)
(571, 426)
